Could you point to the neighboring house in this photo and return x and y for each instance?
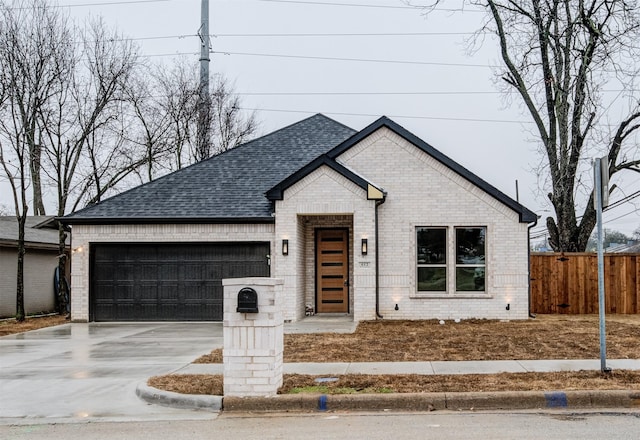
(41, 260)
(632, 247)
(375, 223)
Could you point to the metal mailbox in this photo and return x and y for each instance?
(247, 301)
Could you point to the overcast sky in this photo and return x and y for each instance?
(356, 60)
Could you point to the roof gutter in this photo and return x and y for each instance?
(163, 220)
(378, 203)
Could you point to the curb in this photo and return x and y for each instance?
(177, 400)
(503, 400)
(509, 400)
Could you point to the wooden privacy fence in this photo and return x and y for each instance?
(568, 283)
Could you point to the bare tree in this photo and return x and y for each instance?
(151, 124)
(557, 56)
(230, 126)
(32, 51)
(177, 91)
(90, 89)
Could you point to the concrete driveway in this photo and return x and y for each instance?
(79, 372)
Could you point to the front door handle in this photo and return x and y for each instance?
(346, 282)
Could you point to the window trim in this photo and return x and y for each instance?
(451, 265)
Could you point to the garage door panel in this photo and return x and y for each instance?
(175, 282)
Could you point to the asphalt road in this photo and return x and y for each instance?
(369, 426)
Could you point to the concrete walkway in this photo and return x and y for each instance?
(433, 368)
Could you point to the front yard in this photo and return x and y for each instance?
(547, 337)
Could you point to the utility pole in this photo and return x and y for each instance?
(204, 99)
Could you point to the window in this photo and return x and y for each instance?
(451, 264)
(432, 259)
(470, 259)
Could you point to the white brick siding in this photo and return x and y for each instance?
(420, 192)
(83, 235)
(423, 192)
(324, 198)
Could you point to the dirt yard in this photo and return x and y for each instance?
(11, 326)
(547, 337)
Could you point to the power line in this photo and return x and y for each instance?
(170, 54)
(437, 118)
(111, 3)
(471, 92)
(366, 34)
(623, 215)
(631, 196)
(543, 232)
(318, 3)
(365, 60)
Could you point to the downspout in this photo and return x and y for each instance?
(378, 315)
(533, 225)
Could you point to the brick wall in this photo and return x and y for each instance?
(423, 192)
(83, 235)
(324, 198)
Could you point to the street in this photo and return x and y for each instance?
(370, 426)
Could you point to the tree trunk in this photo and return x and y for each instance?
(35, 164)
(63, 288)
(20, 315)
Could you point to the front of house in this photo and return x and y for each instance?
(373, 224)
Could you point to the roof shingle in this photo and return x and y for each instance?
(229, 187)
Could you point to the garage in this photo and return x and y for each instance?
(168, 281)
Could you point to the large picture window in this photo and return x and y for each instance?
(432, 259)
(470, 259)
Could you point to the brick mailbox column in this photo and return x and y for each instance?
(253, 342)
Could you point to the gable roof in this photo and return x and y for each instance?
(277, 192)
(228, 188)
(525, 215)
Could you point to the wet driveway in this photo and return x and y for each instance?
(77, 372)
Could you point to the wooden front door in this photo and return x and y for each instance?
(332, 270)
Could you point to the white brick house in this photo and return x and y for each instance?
(374, 224)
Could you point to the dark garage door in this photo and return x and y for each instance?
(168, 282)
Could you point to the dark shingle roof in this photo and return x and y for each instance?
(226, 188)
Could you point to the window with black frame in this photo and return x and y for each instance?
(431, 259)
(470, 259)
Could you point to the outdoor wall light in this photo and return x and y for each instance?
(508, 306)
(365, 246)
(285, 247)
(396, 307)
